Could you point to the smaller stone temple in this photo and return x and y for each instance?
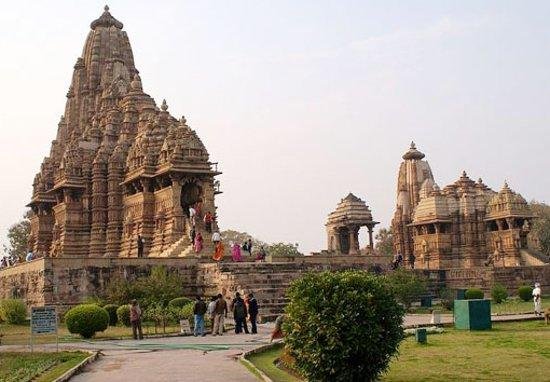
(344, 223)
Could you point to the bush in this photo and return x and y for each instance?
(179, 302)
(86, 320)
(111, 309)
(342, 326)
(407, 286)
(123, 315)
(499, 293)
(473, 294)
(447, 297)
(525, 293)
(13, 311)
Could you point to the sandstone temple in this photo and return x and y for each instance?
(112, 200)
(464, 225)
(120, 166)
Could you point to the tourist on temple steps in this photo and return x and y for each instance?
(192, 213)
(249, 247)
(192, 234)
(252, 312)
(140, 246)
(239, 314)
(236, 252)
(220, 312)
(216, 238)
(198, 311)
(208, 219)
(135, 320)
(30, 256)
(412, 259)
(261, 254)
(537, 299)
(198, 243)
(218, 254)
(211, 311)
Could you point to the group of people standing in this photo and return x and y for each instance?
(218, 310)
(236, 252)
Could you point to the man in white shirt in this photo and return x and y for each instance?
(216, 238)
(537, 299)
(192, 213)
(30, 256)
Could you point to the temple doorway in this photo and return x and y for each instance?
(343, 236)
(190, 195)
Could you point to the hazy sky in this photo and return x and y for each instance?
(302, 101)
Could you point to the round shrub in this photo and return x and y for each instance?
(525, 292)
(123, 314)
(179, 302)
(342, 326)
(86, 320)
(499, 293)
(473, 294)
(13, 311)
(111, 309)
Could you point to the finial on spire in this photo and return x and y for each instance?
(464, 175)
(183, 121)
(106, 8)
(413, 146)
(106, 20)
(164, 105)
(413, 153)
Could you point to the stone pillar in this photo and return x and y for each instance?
(371, 245)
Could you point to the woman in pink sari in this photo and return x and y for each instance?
(236, 252)
(198, 242)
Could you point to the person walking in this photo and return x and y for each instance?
(140, 246)
(249, 247)
(261, 255)
(135, 320)
(239, 314)
(236, 252)
(220, 312)
(211, 311)
(208, 219)
(192, 213)
(253, 312)
(218, 251)
(537, 299)
(198, 311)
(198, 243)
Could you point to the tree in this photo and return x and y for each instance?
(541, 225)
(342, 326)
(384, 241)
(283, 249)
(240, 237)
(18, 236)
(406, 285)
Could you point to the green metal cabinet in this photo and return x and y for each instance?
(472, 314)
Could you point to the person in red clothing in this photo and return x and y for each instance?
(208, 219)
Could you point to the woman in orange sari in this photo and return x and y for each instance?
(218, 254)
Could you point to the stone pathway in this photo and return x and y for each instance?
(200, 359)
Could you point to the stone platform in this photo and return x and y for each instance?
(65, 282)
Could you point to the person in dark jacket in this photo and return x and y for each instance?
(239, 314)
(253, 312)
(139, 246)
(199, 311)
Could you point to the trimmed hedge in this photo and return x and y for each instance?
(525, 292)
(499, 293)
(86, 320)
(473, 294)
(123, 314)
(179, 302)
(342, 326)
(13, 311)
(111, 309)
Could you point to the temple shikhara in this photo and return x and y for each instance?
(464, 225)
(120, 166)
(112, 200)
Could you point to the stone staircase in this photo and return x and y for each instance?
(530, 257)
(268, 282)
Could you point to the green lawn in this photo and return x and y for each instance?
(42, 367)
(20, 334)
(517, 351)
(516, 305)
(265, 362)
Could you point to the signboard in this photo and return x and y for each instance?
(43, 320)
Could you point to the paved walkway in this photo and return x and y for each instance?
(412, 320)
(191, 359)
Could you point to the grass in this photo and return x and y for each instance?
(516, 305)
(265, 362)
(42, 367)
(20, 334)
(515, 351)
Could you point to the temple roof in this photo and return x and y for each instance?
(507, 203)
(106, 20)
(413, 153)
(351, 210)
